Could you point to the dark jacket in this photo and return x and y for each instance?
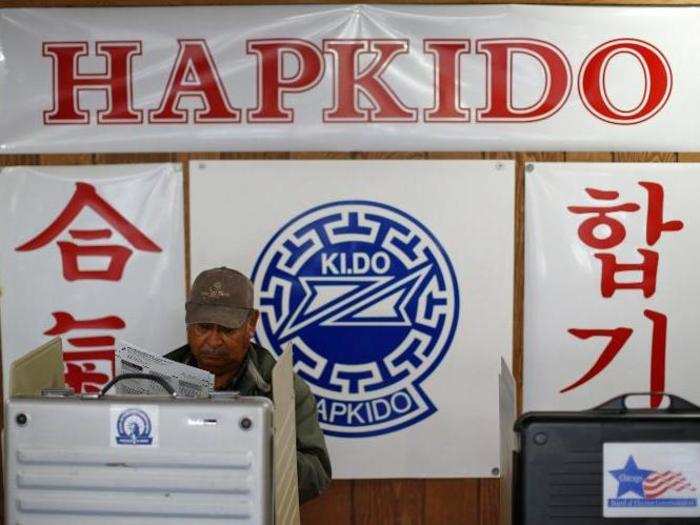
(255, 379)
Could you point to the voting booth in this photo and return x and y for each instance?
(156, 459)
(636, 465)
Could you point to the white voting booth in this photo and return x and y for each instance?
(151, 460)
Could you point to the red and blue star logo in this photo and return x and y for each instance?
(631, 478)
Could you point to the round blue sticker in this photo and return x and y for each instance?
(134, 428)
(369, 301)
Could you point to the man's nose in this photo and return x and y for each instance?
(214, 337)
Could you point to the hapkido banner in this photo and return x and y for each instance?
(398, 309)
(351, 77)
(612, 253)
(91, 254)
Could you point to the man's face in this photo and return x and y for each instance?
(218, 349)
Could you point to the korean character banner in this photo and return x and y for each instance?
(610, 286)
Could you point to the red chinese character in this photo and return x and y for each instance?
(86, 196)
(618, 338)
(648, 267)
(587, 229)
(66, 322)
(88, 371)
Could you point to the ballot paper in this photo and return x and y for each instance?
(187, 381)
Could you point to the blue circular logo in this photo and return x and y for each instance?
(368, 300)
(134, 428)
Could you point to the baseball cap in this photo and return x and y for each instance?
(220, 296)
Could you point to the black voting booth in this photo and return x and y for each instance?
(560, 464)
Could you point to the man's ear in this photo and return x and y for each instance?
(252, 323)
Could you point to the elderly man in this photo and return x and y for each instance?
(220, 325)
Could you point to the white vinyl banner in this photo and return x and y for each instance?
(398, 307)
(611, 287)
(91, 254)
(349, 77)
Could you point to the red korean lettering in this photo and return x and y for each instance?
(655, 213)
(657, 373)
(618, 337)
(588, 231)
(610, 267)
(116, 82)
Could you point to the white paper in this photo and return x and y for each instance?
(187, 381)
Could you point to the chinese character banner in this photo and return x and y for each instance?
(91, 254)
(612, 253)
(349, 77)
(398, 310)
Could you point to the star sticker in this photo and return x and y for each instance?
(630, 478)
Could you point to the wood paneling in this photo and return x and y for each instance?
(689, 157)
(645, 156)
(396, 501)
(451, 501)
(335, 506)
(488, 494)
